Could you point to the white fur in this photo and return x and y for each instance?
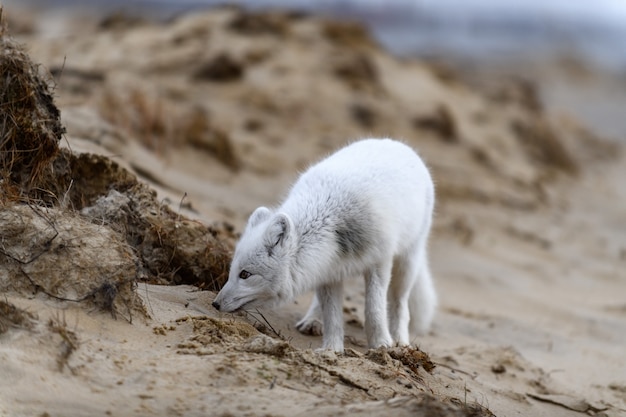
(365, 210)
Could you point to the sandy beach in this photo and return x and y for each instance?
(197, 121)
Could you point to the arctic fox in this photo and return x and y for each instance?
(365, 210)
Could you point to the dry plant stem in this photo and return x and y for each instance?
(266, 322)
(69, 341)
(453, 369)
(107, 290)
(342, 377)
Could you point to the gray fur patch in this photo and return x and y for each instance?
(353, 232)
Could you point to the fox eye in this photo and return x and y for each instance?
(244, 274)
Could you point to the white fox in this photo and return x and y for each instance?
(365, 210)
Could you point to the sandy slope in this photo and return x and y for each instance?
(528, 247)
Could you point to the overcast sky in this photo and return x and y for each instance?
(604, 9)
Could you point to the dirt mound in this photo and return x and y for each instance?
(67, 258)
(170, 248)
(78, 227)
(378, 375)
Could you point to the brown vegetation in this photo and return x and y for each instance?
(29, 121)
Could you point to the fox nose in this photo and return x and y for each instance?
(216, 305)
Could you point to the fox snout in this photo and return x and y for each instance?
(216, 305)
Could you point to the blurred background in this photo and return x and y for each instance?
(574, 50)
(491, 29)
(517, 107)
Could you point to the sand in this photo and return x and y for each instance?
(219, 112)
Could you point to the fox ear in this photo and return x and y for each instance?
(260, 214)
(278, 232)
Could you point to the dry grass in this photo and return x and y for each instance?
(30, 126)
(412, 358)
(198, 132)
(358, 71)
(255, 24)
(543, 145)
(347, 34)
(220, 68)
(69, 341)
(139, 115)
(161, 124)
(14, 317)
(440, 122)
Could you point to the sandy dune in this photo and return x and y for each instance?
(218, 112)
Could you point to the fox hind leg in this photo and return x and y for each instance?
(311, 323)
(423, 300)
(404, 275)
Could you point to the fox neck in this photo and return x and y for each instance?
(310, 263)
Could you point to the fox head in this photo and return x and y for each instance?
(259, 273)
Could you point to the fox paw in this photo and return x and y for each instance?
(311, 327)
